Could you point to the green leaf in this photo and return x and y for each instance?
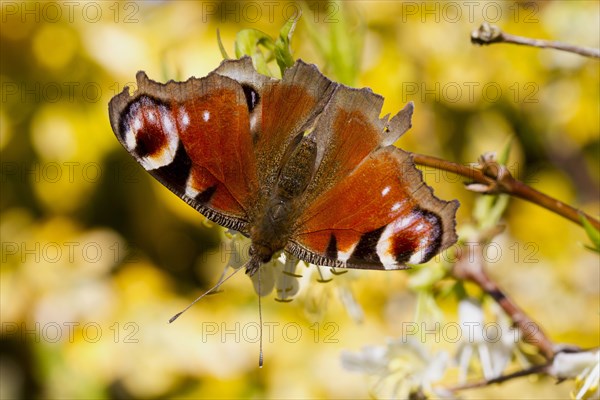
(263, 49)
(489, 209)
(221, 47)
(496, 212)
(423, 277)
(503, 158)
(340, 44)
(427, 308)
(164, 69)
(169, 72)
(248, 42)
(283, 50)
(592, 233)
(459, 290)
(501, 201)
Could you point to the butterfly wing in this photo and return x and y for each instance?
(219, 142)
(285, 109)
(367, 206)
(194, 137)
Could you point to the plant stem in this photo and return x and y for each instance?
(472, 269)
(508, 185)
(536, 369)
(488, 34)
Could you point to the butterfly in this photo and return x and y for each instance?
(301, 164)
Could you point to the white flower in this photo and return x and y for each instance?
(236, 246)
(584, 367)
(288, 282)
(280, 274)
(352, 306)
(491, 344)
(372, 360)
(400, 368)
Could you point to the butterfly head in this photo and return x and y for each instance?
(261, 251)
(255, 261)
(270, 232)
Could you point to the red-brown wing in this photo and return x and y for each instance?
(367, 206)
(381, 216)
(284, 110)
(194, 137)
(348, 130)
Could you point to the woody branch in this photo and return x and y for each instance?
(487, 34)
(472, 269)
(489, 177)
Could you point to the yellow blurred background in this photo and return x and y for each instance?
(97, 256)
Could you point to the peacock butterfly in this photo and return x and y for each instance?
(301, 164)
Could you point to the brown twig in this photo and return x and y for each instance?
(488, 34)
(492, 178)
(535, 369)
(472, 269)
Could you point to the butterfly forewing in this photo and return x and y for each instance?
(194, 138)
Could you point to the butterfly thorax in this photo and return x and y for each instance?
(274, 220)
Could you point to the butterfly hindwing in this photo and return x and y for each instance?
(346, 135)
(368, 206)
(375, 218)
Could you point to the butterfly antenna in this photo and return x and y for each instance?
(211, 290)
(260, 351)
(222, 277)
